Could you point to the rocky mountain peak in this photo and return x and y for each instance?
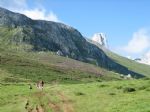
(100, 38)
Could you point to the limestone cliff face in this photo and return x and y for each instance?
(101, 39)
(52, 36)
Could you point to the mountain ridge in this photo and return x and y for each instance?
(51, 36)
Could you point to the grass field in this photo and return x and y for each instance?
(110, 96)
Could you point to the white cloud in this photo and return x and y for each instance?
(146, 58)
(139, 46)
(40, 14)
(37, 12)
(13, 4)
(139, 42)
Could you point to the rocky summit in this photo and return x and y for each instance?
(17, 29)
(101, 39)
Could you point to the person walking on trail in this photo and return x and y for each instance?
(30, 86)
(40, 85)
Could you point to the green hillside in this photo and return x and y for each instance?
(24, 66)
(130, 64)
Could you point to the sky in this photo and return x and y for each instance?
(126, 23)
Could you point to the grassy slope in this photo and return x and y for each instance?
(89, 97)
(59, 62)
(34, 66)
(130, 64)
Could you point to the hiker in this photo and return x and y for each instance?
(40, 84)
(30, 86)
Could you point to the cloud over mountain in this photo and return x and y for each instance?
(38, 12)
(139, 45)
(139, 42)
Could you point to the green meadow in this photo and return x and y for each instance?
(105, 96)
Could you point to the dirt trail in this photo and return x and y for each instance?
(54, 107)
(66, 103)
(39, 108)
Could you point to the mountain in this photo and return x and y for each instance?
(101, 39)
(128, 63)
(18, 32)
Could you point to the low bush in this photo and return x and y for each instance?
(148, 89)
(103, 85)
(112, 94)
(128, 89)
(79, 93)
(119, 87)
(99, 80)
(142, 87)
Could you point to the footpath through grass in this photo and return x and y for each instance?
(111, 96)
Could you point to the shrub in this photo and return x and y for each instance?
(99, 80)
(90, 76)
(112, 94)
(148, 89)
(79, 93)
(142, 87)
(119, 87)
(146, 78)
(128, 89)
(103, 85)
